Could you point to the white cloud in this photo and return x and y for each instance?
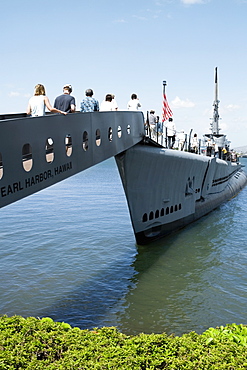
(232, 107)
(119, 21)
(162, 2)
(14, 94)
(154, 13)
(178, 103)
(139, 18)
(191, 2)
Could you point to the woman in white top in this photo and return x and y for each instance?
(114, 102)
(38, 103)
(108, 103)
(134, 103)
(195, 144)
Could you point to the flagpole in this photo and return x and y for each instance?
(164, 93)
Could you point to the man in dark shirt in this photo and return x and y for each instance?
(65, 102)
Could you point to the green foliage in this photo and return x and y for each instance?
(37, 344)
(233, 332)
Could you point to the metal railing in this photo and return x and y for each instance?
(37, 152)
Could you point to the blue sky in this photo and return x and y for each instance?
(130, 46)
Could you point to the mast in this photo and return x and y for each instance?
(216, 117)
(164, 94)
(163, 119)
(164, 87)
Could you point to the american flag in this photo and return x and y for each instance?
(167, 112)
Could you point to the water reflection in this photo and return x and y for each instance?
(191, 280)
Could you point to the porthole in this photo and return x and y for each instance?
(179, 206)
(128, 130)
(167, 211)
(110, 134)
(27, 160)
(157, 214)
(85, 141)
(1, 166)
(176, 208)
(162, 212)
(98, 138)
(144, 217)
(68, 145)
(119, 131)
(151, 215)
(49, 150)
(171, 209)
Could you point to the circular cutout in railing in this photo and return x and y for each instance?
(97, 137)
(68, 145)
(128, 130)
(1, 166)
(110, 134)
(27, 157)
(85, 141)
(119, 131)
(49, 150)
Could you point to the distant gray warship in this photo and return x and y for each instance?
(167, 189)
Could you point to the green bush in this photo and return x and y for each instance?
(38, 344)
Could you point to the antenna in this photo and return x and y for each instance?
(215, 123)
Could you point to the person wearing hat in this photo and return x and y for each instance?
(65, 102)
(89, 104)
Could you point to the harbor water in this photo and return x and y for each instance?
(69, 252)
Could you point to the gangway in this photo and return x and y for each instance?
(37, 152)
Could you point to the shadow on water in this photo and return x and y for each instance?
(92, 303)
(98, 300)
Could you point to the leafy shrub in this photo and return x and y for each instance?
(37, 344)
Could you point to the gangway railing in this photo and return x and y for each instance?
(38, 152)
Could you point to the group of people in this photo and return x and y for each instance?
(90, 104)
(170, 133)
(156, 129)
(65, 103)
(39, 102)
